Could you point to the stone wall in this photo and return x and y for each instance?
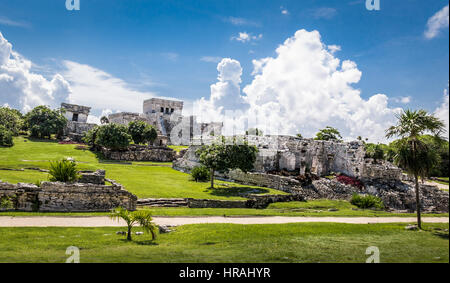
(307, 156)
(253, 201)
(155, 154)
(61, 197)
(91, 177)
(75, 130)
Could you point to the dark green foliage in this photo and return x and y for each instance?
(367, 201)
(224, 157)
(374, 151)
(200, 174)
(63, 171)
(90, 136)
(142, 132)
(44, 122)
(6, 137)
(11, 119)
(6, 202)
(113, 136)
(328, 134)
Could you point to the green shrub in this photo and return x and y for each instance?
(113, 136)
(6, 202)
(142, 132)
(6, 137)
(367, 201)
(44, 122)
(11, 119)
(200, 174)
(63, 171)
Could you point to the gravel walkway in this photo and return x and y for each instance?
(6, 221)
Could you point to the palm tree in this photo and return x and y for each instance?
(141, 217)
(412, 154)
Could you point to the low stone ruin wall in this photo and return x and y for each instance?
(61, 197)
(157, 154)
(395, 194)
(253, 201)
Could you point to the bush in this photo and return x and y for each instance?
(113, 136)
(11, 119)
(6, 203)
(200, 174)
(367, 201)
(6, 137)
(63, 171)
(142, 132)
(350, 181)
(44, 122)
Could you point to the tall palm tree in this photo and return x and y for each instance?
(141, 217)
(412, 154)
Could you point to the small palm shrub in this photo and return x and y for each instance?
(367, 201)
(6, 203)
(6, 137)
(63, 171)
(200, 174)
(139, 217)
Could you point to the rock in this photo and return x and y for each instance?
(139, 233)
(121, 233)
(412, 228)
(333, 209)
(164, 229)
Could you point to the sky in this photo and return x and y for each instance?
(285, 66)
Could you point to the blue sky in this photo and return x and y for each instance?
(162, 46)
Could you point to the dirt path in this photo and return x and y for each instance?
(6, 221)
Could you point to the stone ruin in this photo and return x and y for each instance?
(305, 163)
(90, 194)
(166, 116)
(77, 124)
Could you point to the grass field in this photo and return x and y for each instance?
(318, 242)
(145, 179)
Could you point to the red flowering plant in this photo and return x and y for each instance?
(350, 181)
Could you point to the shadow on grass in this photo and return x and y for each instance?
(32, 139)
(146, 243)
(235, 191)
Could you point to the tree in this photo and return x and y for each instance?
(11, 119)
(142, 132)
(90, 136)
(413, 155)
(6, 137)
(113, 136)
(374, 151)
(140, 217)
(44, 122)
(328, 134)
(223, 158)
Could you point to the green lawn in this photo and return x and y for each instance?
(178, 148)
(145, 179)
(312, 242)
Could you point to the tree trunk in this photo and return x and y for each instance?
(416, 179)
(419, 221)
(212, 178)
(129, 233)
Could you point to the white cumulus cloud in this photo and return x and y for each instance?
(21, 88)
(302, 89)
(437, 22)
(442, 112)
